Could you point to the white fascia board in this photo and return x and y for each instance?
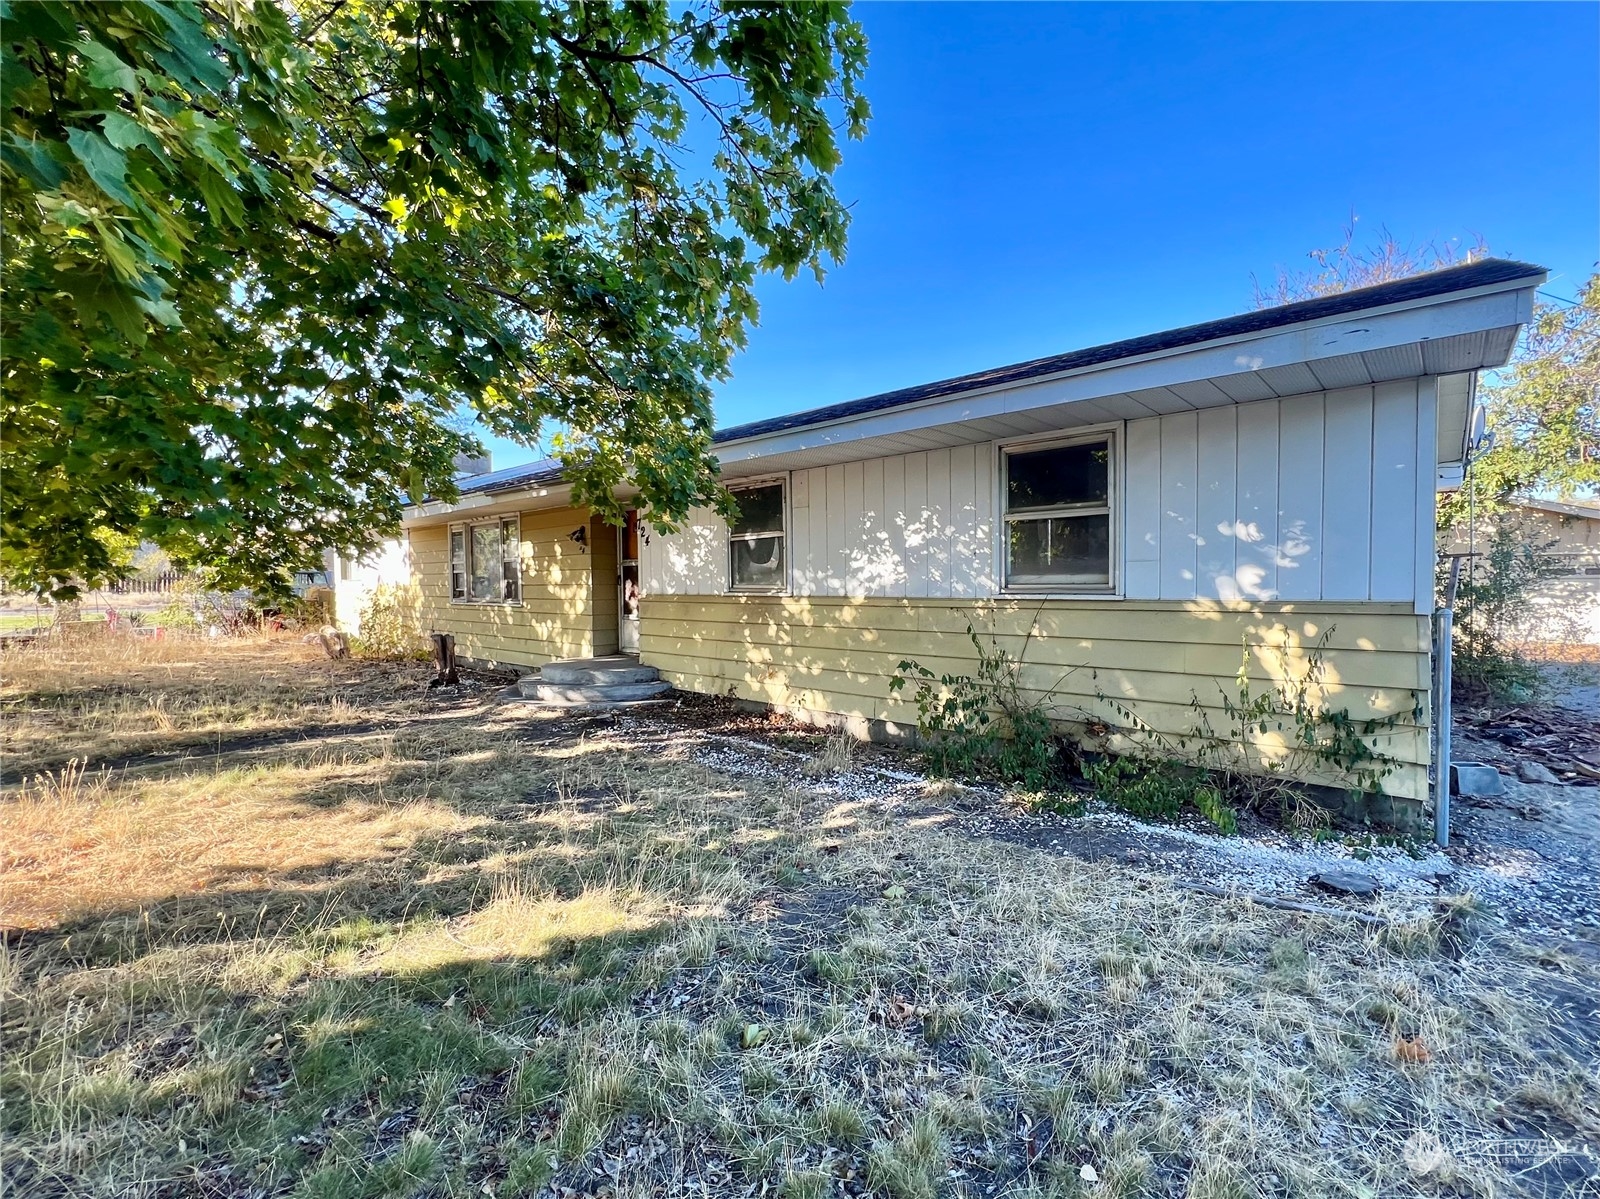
(433, 508)
(526, 499)
(486, 503)
(1476, 310)
(1458, 389)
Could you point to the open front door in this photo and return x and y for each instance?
(628, 585)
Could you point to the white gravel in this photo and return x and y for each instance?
(1532, 891)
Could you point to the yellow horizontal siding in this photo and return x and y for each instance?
(1160, 659)
(1351, 624)
(865, 677)
(561, 605)
(940, 651)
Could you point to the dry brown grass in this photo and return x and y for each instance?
(104, 699)
(480, 952)
(76, 845)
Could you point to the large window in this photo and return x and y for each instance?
(486, 562)
(1058, 526)
(756, 540)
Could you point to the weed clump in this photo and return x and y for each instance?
(984, 723)
(388, 628)
(912, 1165)
(1491, 604)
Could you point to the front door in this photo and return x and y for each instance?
(628, 585)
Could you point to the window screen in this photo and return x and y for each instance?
(458, 564)
(486, 562)
(510, 561)
(1067, 476)
(483, 580)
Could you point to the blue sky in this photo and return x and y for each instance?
(1040, 177)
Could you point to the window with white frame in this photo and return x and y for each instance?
(486, 562)
(1057, 501)
(756, 539)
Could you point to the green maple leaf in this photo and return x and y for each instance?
(105, 164)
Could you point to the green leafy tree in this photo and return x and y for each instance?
(258, 259)
(1544, 407)
(1544, 410)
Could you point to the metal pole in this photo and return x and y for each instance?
(1443, 628)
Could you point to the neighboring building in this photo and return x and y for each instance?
(1128, 519)
(1567, 532)
(355, 580)
(1564, 609)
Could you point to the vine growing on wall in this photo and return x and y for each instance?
(986, 724)
(1312, 739)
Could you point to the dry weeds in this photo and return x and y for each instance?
(483, 953)
(108, 699)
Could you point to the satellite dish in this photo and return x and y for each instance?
(1480, 437)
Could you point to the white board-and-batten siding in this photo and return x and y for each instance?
(1320, 497)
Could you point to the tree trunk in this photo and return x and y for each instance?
(444, 658)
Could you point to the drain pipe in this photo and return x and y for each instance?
(1478, 439)
(1443, 628)
(1444, 625)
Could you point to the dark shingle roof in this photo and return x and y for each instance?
(513, 478)
(1417, 287)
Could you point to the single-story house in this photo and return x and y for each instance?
(1131, 520)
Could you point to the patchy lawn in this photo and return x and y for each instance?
(318, 932)
(123, 701)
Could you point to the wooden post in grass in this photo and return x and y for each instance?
(444, 659)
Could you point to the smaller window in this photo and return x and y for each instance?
(347, 569)
(756, 540)
(458, 564)
(510, 561)
(483, 557)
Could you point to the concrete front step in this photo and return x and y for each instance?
(584, 672)
(580, 694)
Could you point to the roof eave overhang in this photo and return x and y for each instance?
(1557, 508)
(489, 503)
(484, 504)
(1495, 306)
